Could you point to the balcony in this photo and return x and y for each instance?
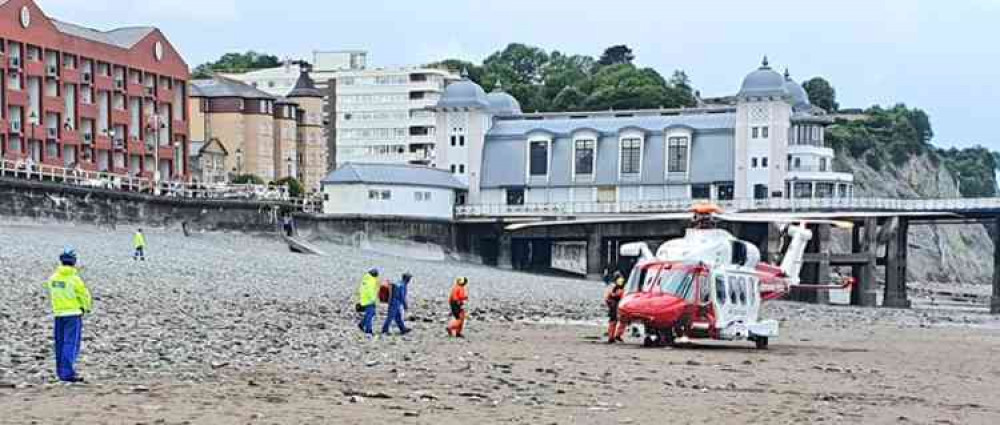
(33, 67)
(810, 150)
(14, 62)
(164, 95)
(817, 174)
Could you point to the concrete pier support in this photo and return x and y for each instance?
(816, 272)
(995, 299)
(504, 251)
(595, 253)
(895, 268)
(865, 242)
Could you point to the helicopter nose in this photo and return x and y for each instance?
(655, 308)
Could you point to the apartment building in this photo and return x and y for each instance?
(261, 134)
(72, 96)
(383, 115)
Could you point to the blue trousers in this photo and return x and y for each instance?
(68, 333)
(139, 253)
(395, 316)
(368, 320)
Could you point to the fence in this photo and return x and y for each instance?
(128, 183)
(683, 205)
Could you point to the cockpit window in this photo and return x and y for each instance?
(679, 283)
(720, 290)
(637, 279)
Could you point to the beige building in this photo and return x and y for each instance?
(263, 135)
(208, 161)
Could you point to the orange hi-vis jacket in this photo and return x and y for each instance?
(458, 294)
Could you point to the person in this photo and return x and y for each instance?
(367, 299)
(70, 301)
(457, 299)
(398, 306)
(139, 241)
(288, 226)
(612, 297)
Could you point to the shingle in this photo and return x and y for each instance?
(393, 174)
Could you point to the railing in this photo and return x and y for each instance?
(747, 205)
(28, 169)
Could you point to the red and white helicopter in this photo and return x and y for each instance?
(710, 285)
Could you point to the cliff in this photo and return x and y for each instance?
(937, 253)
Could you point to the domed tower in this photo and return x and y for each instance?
(464, 115)
(763, 118)
(311, 146)
(501, 103)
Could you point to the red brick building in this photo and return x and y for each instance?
(97, 100)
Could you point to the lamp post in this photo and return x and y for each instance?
(33, 120)
(156, 126)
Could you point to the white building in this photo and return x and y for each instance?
(382, 116)
(325, 66)
(391, 190)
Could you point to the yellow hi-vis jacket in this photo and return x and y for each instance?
(69, 295)
(139, 240)
(368, 293)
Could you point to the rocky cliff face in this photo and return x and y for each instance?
(938, 253)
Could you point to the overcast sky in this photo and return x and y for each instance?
(942, 56)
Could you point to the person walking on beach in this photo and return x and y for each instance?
(367, 299)
(612, 298)
(70, 301)
(139, 242)
(397, 306)
(459, 296)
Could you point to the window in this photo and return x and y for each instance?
(677, 153)
(763, 162)
(755, 132)
(379, 195)
(453, 168)
(822, 164)
(454, 140)
(461, 168)
(725, 192)
(515, 196)
(798, 163)
(538, 158)
(585, 157)
(763, 132)
(753, 162)
(631, 155)
(701, 191)
(760, 191)
(461, 140)
(422, 196)
(720, 290)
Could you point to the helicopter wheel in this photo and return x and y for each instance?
(760, 342)
(649, 341)
(666, 338)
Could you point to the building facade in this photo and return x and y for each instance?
(769, 144)
(382, 116)
(111, 101)
(264, 135)
(208, 162)
(391, 190)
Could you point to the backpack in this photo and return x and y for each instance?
(384, 292)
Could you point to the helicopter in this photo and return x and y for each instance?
(710, 285)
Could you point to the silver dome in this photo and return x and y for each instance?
(764, 82)
(464, 94)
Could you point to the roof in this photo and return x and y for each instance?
(502, 103)
(764, 82)
(463, 94)
(122, 37)
(224, 87)
(613, 124)
(393, 174)
(196, 148)
(305, 87)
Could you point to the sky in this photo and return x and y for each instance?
(940, 56)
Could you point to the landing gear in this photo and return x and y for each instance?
(659, 338)
(760, 342)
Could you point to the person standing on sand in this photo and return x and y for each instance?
(397, 306)
(367, 298)
(139, 241)
(611, 298)
(459, 296)
(70, 301)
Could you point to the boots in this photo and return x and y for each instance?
(611, 332)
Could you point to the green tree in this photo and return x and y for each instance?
(570, 98)
(236, 63)
(248, 179)
(458, 66)
(617, 55)
(295, 188)
(628, 87)
(821, 94)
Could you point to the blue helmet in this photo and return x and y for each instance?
(68, 256)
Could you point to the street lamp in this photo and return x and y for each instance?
(33, 120)
(156, 126)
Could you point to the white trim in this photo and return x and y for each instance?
(672, 133)
(585, 136)
(548, 160)
(631, 134)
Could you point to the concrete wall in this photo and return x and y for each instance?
(52, 201)
(351, 229)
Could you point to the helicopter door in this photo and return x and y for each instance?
(731, 298)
